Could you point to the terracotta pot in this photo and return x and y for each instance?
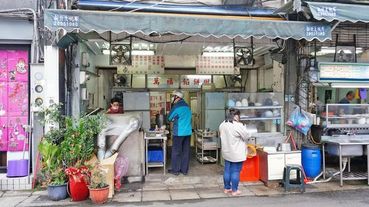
(78, 189)
(99, 195)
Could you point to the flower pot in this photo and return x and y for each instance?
(78, 189)
(57, 192)
(99, 195)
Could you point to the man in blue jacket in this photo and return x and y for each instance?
(180, 115)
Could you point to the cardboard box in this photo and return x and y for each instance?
(107, 165)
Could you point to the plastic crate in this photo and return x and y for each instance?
(155, 155)
(250, 169)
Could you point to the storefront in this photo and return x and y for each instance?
(194, 53)
(335, 84)
(18, 52)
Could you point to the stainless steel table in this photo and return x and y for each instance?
(163, 138)
(341, 143)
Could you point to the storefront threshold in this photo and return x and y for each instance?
(15, 183)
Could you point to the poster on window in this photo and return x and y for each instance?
(3, 134)
(18, 65)
(215, 65)
(3, 65)
(17, 99)
(17, 137)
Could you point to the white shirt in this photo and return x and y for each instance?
(233, 138)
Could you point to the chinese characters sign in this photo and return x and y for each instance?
(60, 20)
(316, 31)
(215, 65)
(331, 72)
(194, 81)
(162, 81)
(144, 64)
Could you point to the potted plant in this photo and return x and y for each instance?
(52, 170)
(99, 189)
(77, 148)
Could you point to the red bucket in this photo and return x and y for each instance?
(78, 189)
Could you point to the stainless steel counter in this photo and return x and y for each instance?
(347, 146)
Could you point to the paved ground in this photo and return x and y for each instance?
(201, 191)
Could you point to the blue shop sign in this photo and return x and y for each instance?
(343, 72)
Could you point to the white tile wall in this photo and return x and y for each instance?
(22, 183)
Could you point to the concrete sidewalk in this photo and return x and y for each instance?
(172, 188)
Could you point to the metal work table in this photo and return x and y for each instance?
(163, 138)
(341, 143)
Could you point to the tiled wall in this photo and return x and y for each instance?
(23, 183)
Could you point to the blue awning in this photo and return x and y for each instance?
(341, 12)
(202, 25)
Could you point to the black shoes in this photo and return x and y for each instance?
(170, 171)
(173, 173)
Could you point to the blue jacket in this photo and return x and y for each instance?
(181, 116)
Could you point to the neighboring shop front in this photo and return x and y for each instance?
(16, 41)
(334, 86)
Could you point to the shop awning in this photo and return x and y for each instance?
(342, 12)
(203, 25)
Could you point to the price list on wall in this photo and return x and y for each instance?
(144, 64)
(215, 65)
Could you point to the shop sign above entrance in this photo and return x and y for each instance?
(343, 72)
(61, 20)
(162, 81)
(143, 64)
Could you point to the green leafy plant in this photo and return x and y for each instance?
(79, 138)
(51, 162)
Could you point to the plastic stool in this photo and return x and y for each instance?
(295, 183)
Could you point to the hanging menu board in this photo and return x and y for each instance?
(215, 65)
(348, 72)
(143, 64)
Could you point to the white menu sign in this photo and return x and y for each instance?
(143, 64)
(215, 65)
(343, 72)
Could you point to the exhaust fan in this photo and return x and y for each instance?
(120, 54)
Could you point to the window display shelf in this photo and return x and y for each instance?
(259, 118)
(256, 107)
(262, 111)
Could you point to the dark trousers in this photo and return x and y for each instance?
(181, 154)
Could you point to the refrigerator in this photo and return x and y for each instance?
(138, 102)
(212, 110)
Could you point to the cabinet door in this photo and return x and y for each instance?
(214, 101)
(275, 166)
(293, 158)
(213, 118)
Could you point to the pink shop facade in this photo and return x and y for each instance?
(14, 102)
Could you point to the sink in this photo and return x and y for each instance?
(353, 150)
